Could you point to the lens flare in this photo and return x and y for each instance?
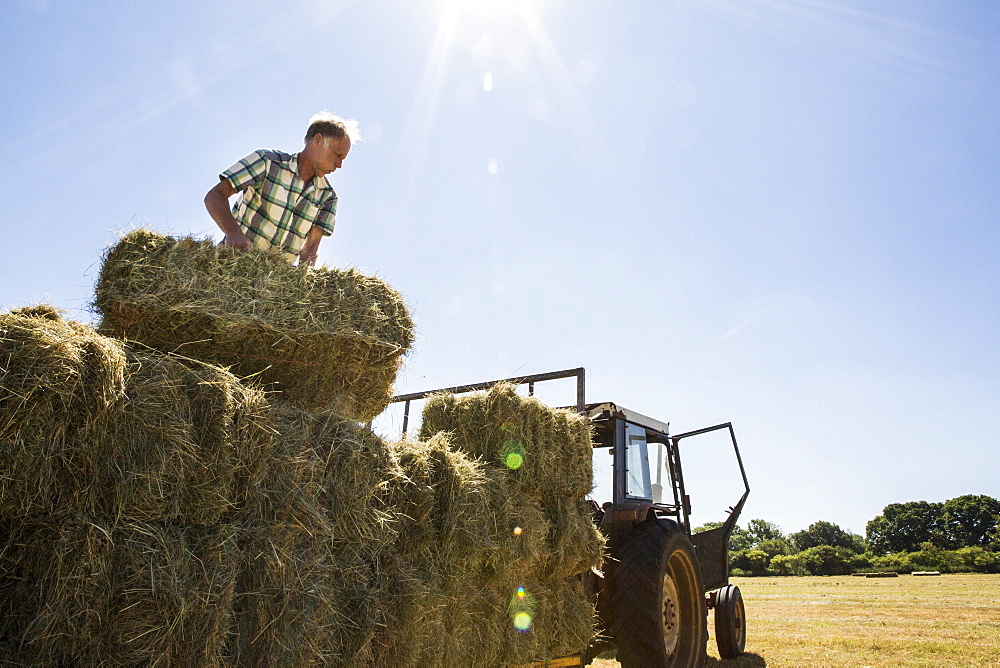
(517, 531)
(513, 453)
(521, 609)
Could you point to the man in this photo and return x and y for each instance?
(286, 201)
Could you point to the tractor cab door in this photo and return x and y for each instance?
(713, 475)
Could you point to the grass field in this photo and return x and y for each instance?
(950, 620)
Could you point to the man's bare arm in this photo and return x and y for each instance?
(310, 249)
(217, 203)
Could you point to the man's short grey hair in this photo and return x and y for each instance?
(332, 125)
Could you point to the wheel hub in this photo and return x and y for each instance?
(671, 620)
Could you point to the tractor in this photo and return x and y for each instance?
(659, 579)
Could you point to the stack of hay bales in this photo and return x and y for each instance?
(116, 471)
(159, 509)
(536, 461)
(467, 585)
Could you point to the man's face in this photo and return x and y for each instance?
(330, 153)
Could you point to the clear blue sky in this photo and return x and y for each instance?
(781, 213)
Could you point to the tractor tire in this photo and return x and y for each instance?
(658, 604)
(730, 622)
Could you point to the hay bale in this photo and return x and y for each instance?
(456, 539)
(54, 375)
(89, 426)
(441, 623)
(451, 512)
(562, 619)
(544, 448)
(575, 544)
(459, 561)
(545, 498)
(314, 533)
(413, 618)
(329, 474)
(550, 469)
(303, 600)
(51, 367)
(374, 553)
(185, 443)
(434, 623)
(459, 515)
(325, 338)
(85, 592)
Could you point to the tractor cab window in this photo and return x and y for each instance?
(637, 483)
(604, 475)
(657, 452)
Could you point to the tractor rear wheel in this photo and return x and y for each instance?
(730, 622)
(659, 612)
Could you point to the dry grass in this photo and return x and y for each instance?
(952, 620)
(543, 455)
(89, 425)
(324, 338)
(542, 446)
(155, 510)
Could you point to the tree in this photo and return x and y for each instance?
(828, 560)
(787, 564)
(898, 562)
(774, 546)
(977, 560)
(933, 557)
(827, 533)
(761, 530)
(968, 521)
(752, 562)
(707, 526)
(739, 540)
(994, 538)
(902, 527)
(752, 549)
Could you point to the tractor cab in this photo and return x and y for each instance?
(631, 452)
(638, 476)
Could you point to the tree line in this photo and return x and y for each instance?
(960, 535)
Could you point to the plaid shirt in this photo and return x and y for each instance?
(278, 208)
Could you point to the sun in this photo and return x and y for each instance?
(460, 24)
(486, 8)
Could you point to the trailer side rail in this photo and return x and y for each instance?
(579, 373)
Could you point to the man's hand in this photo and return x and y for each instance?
(307, 258)
(241, 242)
(310, 249)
